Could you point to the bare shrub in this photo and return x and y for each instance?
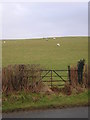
(21, 77)
(74, 76)
(86, 76)
(76, 86)
(67, 90)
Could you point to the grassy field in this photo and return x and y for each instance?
(23, 101)
(46, 53)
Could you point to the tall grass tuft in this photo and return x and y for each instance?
(74, 76)
(20, 77)
(74, 86)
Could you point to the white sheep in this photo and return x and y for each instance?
(4, 41)
(54, 38)
(46, 39)
(58, 44)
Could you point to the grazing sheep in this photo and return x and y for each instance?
(54, 38)
(46, 39)
(4, 41)
(58, 44)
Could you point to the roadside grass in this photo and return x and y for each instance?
(30, 101)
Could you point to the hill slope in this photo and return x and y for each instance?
(46, 53)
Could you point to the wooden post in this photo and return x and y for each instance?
(69, 75)
(51, 78)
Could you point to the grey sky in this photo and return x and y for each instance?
(30, 20)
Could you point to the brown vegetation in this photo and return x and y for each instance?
(74, 86)
(18, 77)
(74, 77)
(28, 78)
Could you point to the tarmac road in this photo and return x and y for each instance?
(77, 112)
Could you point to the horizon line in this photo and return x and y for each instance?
(43, 37)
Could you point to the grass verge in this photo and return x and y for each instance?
(30, 101)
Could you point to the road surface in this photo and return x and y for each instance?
(78, 112)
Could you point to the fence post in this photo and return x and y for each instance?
(51, 78)
(69, 75)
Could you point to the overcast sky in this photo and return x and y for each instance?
(34, 20)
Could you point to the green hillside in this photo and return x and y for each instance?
(46, 53)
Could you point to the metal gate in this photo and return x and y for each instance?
(55, 77)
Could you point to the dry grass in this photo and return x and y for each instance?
(74, 86)
(21, 77)
(74, 76)
(28, 78)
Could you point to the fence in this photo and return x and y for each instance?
(59, 77)
(52, 77)
(21, 77)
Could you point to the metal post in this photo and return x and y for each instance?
(69, 75)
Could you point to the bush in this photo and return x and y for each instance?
(85, 76)
(20, 77)
(74, 77)
(67, 90)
